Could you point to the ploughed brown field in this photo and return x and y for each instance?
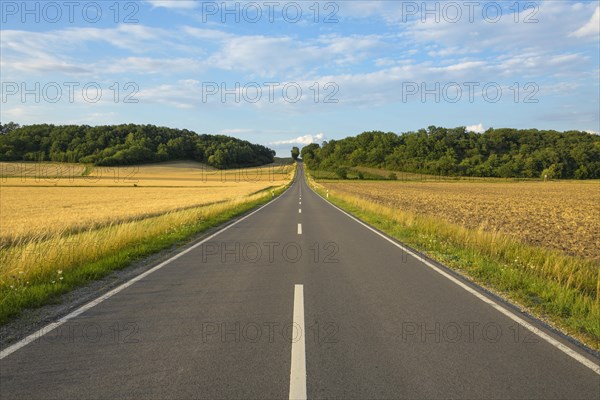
(561, 215)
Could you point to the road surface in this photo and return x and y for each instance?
(296, 300)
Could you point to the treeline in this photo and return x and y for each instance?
(506, 153)
(126, 145)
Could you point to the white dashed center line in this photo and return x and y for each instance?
(298, 367)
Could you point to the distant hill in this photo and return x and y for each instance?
(126, 145)
(506, 153)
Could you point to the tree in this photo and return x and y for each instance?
(342, 172)
(494, 153)
(309, 155)
(11, 126)
(550, 172)
(126, 144)
(295, 153)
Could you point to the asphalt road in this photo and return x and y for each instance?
(297, 299)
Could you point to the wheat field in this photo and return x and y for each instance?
(50, 199)
(62, 229)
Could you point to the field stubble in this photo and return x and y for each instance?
(556, 215)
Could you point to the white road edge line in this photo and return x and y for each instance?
(298, 364)
(565, 349)
(50, 327)
(299, 229)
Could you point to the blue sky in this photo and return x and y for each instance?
(351, 67)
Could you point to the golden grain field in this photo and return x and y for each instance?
(168, 174)
(44, 199)
(561, 215)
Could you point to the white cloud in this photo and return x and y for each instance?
(592, 28)
(135, 38)
(305, 140)
(183, 94)
(272, 56)
(66, 51)
(553, 31)
(476, 128)
(13, 113)
(463, 66)
(176, 4)
(150, 65)
(206, 34)
(50, 44)
(350, 49)
(265, 56)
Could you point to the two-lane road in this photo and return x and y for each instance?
(297, 299)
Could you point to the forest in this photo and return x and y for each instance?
(505, 153)
(125, 145)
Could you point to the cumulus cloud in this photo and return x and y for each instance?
(305, 140)
(476, 128)
(592, 28)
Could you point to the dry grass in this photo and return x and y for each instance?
(30, 207)
(555, 215)
(35, 258)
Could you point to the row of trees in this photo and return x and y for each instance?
(125, 145)
(507, 153)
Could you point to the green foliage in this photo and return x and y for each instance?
(392, 176)
(342, 172)
(309, 155)
(506, 153)
(550, 172)
(295, 152)
(8, 127)
(126, 144)
(360, 175)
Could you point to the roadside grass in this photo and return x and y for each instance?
(560, 289)
(37, 272)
